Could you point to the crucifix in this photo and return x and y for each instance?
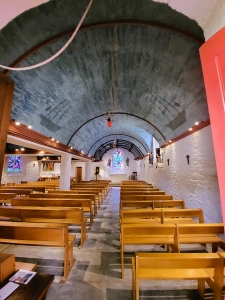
(168, 161)
(188, 159)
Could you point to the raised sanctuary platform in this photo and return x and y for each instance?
(116, 178)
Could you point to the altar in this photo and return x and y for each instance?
(118, 177)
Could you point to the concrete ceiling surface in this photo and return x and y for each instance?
(139, 60)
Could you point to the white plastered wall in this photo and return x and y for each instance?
(30, 170)
(196, 182)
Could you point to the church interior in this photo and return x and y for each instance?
(111, 107)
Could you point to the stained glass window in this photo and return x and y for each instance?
(13, 164)
(117, 159)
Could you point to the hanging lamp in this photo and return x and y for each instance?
(109, 122)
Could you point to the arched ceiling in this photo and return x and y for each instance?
(139, 60)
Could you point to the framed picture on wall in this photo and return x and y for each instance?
(48, 166)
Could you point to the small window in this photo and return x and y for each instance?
(14, 164)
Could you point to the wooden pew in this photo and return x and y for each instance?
(133, 182)
(46, 215)
(40, 234)
(6, 197)
(145, 234)
(35, 188)
(162, 216)
(138, 192)
(104, 188)
(169, 204)
(138, 189)
(172, 204)
(67, 196)
(148, 193)
(137, 216)
(47, 184)
(146, 197)
(198, 234)
(16, 190)
(179, 266)
(97, 192)
(86, 204)
(136, 204)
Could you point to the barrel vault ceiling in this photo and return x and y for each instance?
(138, 59)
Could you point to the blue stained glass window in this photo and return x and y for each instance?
(13, 164)
(117, 159)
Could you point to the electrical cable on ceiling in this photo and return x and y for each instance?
(57, 53)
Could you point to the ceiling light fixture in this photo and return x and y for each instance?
(17, 123)
(29, 126)
(190, 129)
(109, 122)
(112, 107)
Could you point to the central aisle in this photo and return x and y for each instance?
(97, 272)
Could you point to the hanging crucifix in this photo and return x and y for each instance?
(188, 159)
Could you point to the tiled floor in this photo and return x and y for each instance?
(96, 274)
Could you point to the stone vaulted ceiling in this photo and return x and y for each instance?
(138, 58)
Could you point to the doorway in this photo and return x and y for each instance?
(79, 174)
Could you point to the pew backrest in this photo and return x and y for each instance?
(17, 191)
(201, 233)
(175, 266)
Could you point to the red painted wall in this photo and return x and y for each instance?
(212, 55)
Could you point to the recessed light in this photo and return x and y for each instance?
(17, 149)
(190, 129)
(196, 123)
(170, 141)
(22, 149)
(29, 126)
(57, 141)
(71, 147)
(52, 139)
(17, 123)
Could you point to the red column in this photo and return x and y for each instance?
(212, 55)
